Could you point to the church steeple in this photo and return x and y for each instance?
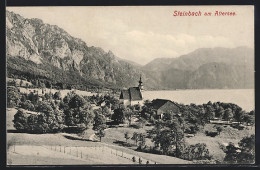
(141, 87)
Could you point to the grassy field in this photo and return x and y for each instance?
(27, 146)
(228, 134)
(63, 92)
(113, 135)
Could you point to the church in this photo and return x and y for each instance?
(133, 95)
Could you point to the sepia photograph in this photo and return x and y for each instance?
(130, 85)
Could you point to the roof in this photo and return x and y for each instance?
(157, 103)
(124, 94)
(133, 93)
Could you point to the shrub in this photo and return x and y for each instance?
(211, 134)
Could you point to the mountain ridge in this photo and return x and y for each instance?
(34, 48)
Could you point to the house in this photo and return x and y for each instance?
(133, 95)
(162, 106)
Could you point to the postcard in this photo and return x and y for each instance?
(130, 85)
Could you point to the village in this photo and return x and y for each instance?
(191, 133)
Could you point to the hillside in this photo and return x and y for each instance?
(207, 68)
(37, 51)
(34, 47)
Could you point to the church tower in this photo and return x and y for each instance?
(141, 87)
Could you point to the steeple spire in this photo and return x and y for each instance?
(140, 81)
(141, 84)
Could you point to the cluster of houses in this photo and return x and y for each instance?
(133, 96)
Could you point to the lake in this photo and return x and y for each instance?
(244, 98)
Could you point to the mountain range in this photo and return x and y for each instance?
(37, 50)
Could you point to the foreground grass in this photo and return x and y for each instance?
(63, 139)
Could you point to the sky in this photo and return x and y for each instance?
(143, 33)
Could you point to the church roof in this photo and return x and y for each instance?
(124, 94)
(133, 93)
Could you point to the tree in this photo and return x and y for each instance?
(141, 122)
(118, 116)
(249, 119)
(13, 97)
(33, 97)
(239, 115)
(99, 125)
(21, 83)
(106, 111)
(245, 154)
(228, 114)
(99, 120)
(57, 95)
(128, 115)
(247, 146)
(220, 112)
(135, 137)
(127, 136)
(198, 151)
(231, 153)
(219, 129)
(27, 105)
(142, 140)
(169, 136)
(20, 120)
(76, 102)
(100, 133)
(44, 107)
(210, 113)
(77, 111)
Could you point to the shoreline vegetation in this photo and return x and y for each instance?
(136, 127)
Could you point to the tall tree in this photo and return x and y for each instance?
(126, 136)
(135, 137)
(99, 125)
(228, 114)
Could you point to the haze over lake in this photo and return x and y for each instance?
(242, 97)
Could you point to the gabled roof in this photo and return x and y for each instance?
(133, 93)
(157, 103)
(124, 95)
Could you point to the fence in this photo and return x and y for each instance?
(86, 153)
(83, 152)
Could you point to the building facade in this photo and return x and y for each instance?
(133, 95)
